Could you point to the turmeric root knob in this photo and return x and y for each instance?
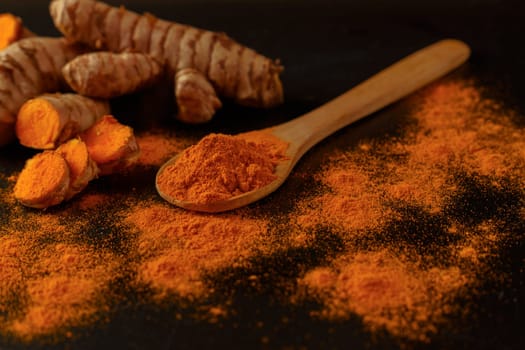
(44, 181)
(49, 120)
(111, 145)
(195, 96)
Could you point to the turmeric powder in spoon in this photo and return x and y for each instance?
(204, 175)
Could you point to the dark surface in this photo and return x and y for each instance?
(327, 47)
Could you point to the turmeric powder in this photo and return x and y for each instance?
(236, 71)
(219, 167)
(29, 68)
(111, 145)
(11, 30)
(107, 75)
(48, 120)
(195, 96)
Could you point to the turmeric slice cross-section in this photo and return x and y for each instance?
(44, 181)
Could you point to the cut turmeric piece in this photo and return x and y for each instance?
(44, 181)
(11, 30)
(195, 97)
(236, 71)
(49, 120)
(29, 68)
(111, 145)
(108, 75)
(82, 169)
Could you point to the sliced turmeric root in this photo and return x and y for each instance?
(49, 120)
(111, 145)
(82, 169)
(29, 68)
(195, 97)
(44, 181)
(11, 30)
(108, 75)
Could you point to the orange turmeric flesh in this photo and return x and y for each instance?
(38, 123)
(82, 168)
(49, 120)
(44, 181)
(10, 29)
(111, 145)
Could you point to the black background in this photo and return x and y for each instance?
(326, 48)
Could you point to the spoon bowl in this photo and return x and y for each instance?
(302, 133)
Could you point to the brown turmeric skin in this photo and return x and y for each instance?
(195, 97)
(107, 75)
(49, 120)
(236, 71)
(111, 145)
(29, 68)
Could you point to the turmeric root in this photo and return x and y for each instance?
(195, 96)
(107, 75)
(82, 168)
(236, 72)
(29, 68)
(111, 145)
(11, 30)
(49, 120)
(52, 177)
(44, 181)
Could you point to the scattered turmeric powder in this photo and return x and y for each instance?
(236, 71)
(157, 146)
(111, 145)
(29, 68)
(63, 288)
(219, 167)
(49, 120)
(195, 96)
(177, 247)
(107, 75)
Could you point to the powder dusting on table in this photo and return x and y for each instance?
(156, 147)
(177, 248)
(395, 204)
(395, 230)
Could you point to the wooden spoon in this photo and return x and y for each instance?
(382, 89)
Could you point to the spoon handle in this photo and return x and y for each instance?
(387, 86)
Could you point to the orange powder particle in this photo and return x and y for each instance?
(220, 167)
(62, 288)
(353, 202)
(156, 148)
(386, 291)
(178, 247)
(454, 131)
